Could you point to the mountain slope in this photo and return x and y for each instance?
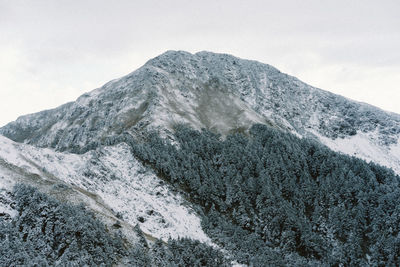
(214, 91)
(271, 197)
(246, 185)
(108, 180)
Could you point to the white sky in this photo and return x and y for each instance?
(53, 51)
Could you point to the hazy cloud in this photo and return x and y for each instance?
(53, 51)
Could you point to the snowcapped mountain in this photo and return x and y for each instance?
(70, 152)
(218, 92)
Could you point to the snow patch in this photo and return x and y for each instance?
(140, 197)
(117, 180)
(362, 146)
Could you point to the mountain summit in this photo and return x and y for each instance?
(218, 92)
(202, 160)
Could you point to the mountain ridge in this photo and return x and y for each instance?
(219, 92)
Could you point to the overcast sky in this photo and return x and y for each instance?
(53, 51)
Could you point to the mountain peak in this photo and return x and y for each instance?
(218, 92)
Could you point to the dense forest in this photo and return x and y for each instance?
(47, 232)
(268, 198)
(271, 198)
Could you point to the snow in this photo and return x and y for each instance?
(9, 152)
(117, 181)
(205, 90)
(6, 176)
(138, 193)
(395, 149)
(215, 91)
(208, 107)
(362, 146)
(6, 185)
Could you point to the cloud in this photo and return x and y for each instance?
(53, 51)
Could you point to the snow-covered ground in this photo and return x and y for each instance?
(6, 203)
(136, 193)
(361, 146)
(112, 178)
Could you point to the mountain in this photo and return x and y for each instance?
(127, 151)
(218, 92)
